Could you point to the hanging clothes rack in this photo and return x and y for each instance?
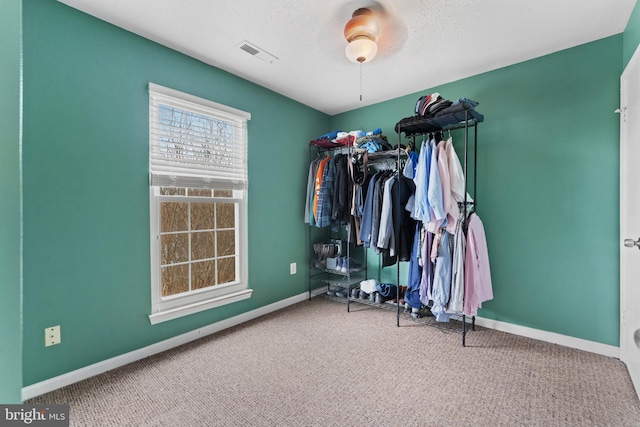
(413, 127)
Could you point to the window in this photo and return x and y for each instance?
(198, 200)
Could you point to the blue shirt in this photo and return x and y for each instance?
(421, 202)
(412, 294)
(442, 279)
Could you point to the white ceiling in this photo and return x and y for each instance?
(425, 43)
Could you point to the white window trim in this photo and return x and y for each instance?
(196, 307)
(201, 101)
(164, 309)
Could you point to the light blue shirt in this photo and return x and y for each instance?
(409, 170)
(442, 279)
(421, 202)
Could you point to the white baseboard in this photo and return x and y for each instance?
(551, 337)
(318, 291)
(63, 380)
(60, 381)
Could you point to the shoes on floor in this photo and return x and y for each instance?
(372, 296)
(332, 263)
(341, 292)
(380, 299)
(418, 313)
(340, 264)
(349, 266)
(338, 291)
(341, 261)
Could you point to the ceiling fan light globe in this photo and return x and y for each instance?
(361, 49)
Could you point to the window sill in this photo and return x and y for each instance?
(174, 313)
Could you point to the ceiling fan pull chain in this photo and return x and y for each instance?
(361, 81)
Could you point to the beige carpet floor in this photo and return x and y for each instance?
(314, 364)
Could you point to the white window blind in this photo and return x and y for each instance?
(195, 142)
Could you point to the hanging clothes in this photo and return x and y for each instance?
(367, 212)
(412, 294)
(386, 235)
(376, 211)
(442, 278)
(426, 282)
(456, 173)
(456, 300)
(318, 186)
(445, 189)
(326, 195)
(451, 205)
(410, 166)
(341, 210)
(311, 180)
(421, 180)
(477, 280)
(403, 224)
(357, 166)
(435, 192)
(360, 191)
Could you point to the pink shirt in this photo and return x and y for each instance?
(477, 274)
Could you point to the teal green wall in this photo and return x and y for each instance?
(547, 185)
(86, 204)
(10, 194)
(631, 35)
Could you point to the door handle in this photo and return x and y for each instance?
(631, 243)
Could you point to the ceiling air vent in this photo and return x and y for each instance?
(249, 49)
(259, 53)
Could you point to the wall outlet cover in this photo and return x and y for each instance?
(52, 336)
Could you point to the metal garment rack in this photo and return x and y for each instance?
(333, 277)
(417, 127)
(427, 126)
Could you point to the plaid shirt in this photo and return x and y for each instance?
(324, 194)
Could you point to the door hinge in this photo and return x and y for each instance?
(622, 111)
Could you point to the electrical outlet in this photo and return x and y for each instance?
(52, 336)
(292, 268)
